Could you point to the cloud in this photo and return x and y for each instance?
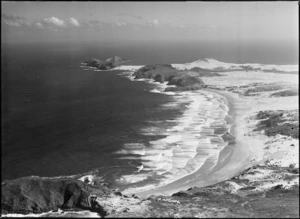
(213, 26)
(74, 22)
(13, 21)
(92, 23)
(121, 24)
(153, 22)
(39, 25)
(53, 21)
(50, 23)
(12, 17)
(130, 15)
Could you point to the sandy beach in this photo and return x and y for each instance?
(232, 159)
(249, 148)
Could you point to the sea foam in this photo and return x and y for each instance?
(187, 145)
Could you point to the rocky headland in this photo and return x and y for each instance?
(107, 64)
(181, 79)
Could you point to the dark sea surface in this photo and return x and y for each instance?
(58, 119)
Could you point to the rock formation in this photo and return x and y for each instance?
(38, 194)
(106, 64)
(183, 79)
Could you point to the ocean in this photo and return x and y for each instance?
(61, 119)
(58, 119)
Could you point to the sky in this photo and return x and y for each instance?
(239, 22)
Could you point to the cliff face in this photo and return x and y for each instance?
(105, 64)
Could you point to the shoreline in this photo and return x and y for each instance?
(232, 160)
(245, 159)
(225, 192)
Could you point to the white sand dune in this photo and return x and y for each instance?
(209, 63)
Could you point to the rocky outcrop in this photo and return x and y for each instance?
(228, 138)
(159, 73)
(182, 79)
(37, 194)
(185, 82)
(105, 64)
(53, 195)
(278, 122)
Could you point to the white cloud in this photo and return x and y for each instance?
(12, 20)
(121, 23)
(153, 22)
(55, 21)
(28, 24)
(39, 25)
(12, 23)
(74, 22)
(130, 15)
(51, 23)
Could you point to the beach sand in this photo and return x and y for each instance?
(248, 150)
(232, 159)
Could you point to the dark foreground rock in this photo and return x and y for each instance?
(37, 194)
(236, 197)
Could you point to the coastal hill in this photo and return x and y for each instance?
(218, 66)
(104, 64)
(182, 79)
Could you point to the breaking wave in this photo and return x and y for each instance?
(189, 142)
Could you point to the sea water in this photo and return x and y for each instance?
(60, 118)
